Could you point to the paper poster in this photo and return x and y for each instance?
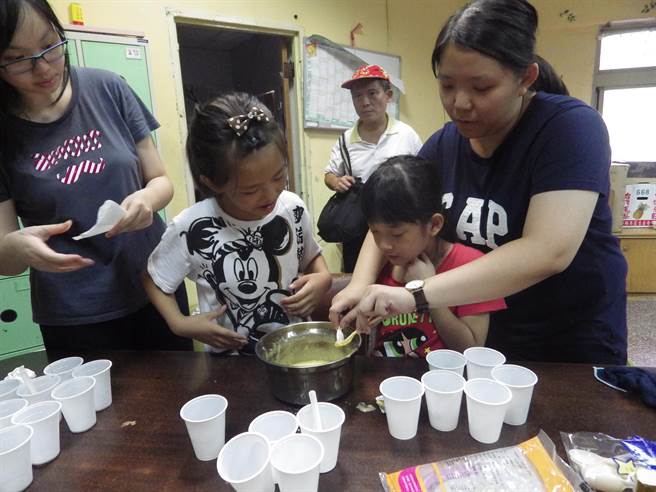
(640, 205)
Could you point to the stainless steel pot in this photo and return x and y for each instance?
(303, 356)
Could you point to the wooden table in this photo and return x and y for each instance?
(155, 454)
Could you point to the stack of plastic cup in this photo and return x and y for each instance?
(100, 371)
(332, 419)
(520, 381)
(244, 462)
(8, 408)
(204, 417)
(481, 361)
(43, 418)
(63, 367)
(15, 463)
(447, 360)
(8, 388)
(443, 397)
(43, 385)
(76, 397)
(402, 396)
(297, 459)
(487, 402)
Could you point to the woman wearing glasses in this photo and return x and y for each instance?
(70, 139)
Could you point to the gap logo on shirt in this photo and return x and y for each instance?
(471, 229)
(72, 148)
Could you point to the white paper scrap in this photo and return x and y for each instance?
(109, 214)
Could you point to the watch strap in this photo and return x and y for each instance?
(420, 300)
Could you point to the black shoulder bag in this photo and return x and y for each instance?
(341, 219)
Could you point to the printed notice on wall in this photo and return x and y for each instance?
(640, 205)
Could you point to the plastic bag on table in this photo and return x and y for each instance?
(532, 465)
(606, 463)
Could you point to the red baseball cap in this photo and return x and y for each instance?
(366, 72)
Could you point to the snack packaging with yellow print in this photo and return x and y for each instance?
(531, 465)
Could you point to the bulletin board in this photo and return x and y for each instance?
(326, 66)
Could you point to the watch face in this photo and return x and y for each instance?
(414, 284)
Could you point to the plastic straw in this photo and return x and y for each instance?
(315, 410)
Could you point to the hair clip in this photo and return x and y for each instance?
(241, 122)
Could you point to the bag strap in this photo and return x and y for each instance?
(345, 154)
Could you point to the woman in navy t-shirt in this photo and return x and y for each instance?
(526, 180)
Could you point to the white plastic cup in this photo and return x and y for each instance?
(487, 401)
(443, 398)
(447, 360)
(332, 419)
(204, 417)
(244, 462)
(520, 380)
(43, 386)
(8, 408)
(15, 463)
(63, 367)
(274, 425)
(76, 397)
(402, 397)
(8, 388)
(481, 361)
(297, 460)
(100, 371)
(43, 418)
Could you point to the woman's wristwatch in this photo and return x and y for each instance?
(416, 288)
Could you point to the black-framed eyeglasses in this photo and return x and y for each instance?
(27, 64)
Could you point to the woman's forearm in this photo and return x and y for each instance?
(507, 270)
(159, 191)
(10, 263)
(547, 247)
(370, 261)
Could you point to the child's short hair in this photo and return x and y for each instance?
(404, 188)
(215, 146)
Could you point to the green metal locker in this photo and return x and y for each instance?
(127, 60)
(18, 334)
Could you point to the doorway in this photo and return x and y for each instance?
(215, 60)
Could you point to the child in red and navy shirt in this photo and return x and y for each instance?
(402, 201)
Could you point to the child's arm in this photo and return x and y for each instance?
(202, 327)
(309, 288)
(460, 333)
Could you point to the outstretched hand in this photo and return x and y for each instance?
(204, 328)
(310, 288)
(32, 249)
(378, 301)
(345, 300)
